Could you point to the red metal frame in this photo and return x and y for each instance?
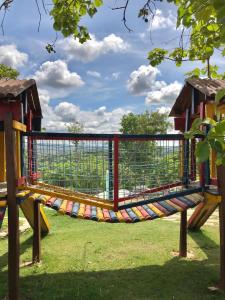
(151, 191)
(116, 139)
(116, 173)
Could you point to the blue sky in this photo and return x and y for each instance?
(95, 83)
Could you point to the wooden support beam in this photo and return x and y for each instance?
(183, 234)
(13, 210)
(37, 233)
(19, 126)
(221, 185)
(2, 157)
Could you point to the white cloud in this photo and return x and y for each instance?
(55, 74)
(164, 109)
(10, 56)
(143, 80)
(115, 75)
(67, 111)
(93, 48)
(160, 21)
(51, 121)
(166, 94)
(99, 120)
(94, 74)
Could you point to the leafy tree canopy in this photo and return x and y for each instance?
(75, 127)
(8, 72)
(202, 24)
(146, 123)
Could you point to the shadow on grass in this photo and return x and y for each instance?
(207, 245)
(176, 279)
(23, 247)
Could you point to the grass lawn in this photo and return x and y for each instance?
(89, 260)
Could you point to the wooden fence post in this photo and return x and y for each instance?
(183, 234)
(13, 210)
(221, 185)
(37, 233)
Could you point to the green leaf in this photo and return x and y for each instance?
(219, 159)
(202, 151)
(189, 135)
(98, 3)
(209, 121)
(218, 146)
(196, 123)
(220, 128)
(219, 95)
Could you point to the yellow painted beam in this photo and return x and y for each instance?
(222, 108)
(2, 157)
(18, 154)
(65, 191)
(3, 203)
(19, 126)
(210, 110)
(27, 207)
(102, 203)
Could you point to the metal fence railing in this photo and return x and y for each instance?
(124, 169)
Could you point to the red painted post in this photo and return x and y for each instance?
(30, 146)
(221, 185)
(13, 210)
(193, 160)
(202, 165)
(116, 172)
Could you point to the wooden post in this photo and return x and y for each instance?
(37, 233)
(13, 210)
(221, 184)
(183, 234)
(2, 157)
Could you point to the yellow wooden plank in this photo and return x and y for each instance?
(59, 189)
(100, 215)
(62, 209)
(19, 126)
(3, 203)
(102, 204)
(211, 199)
(210, 110)
(119, 216)
(2, 157)
(195, 197)
(27, 207)
(18, 154)
(156, 210)
(222, 108)
(44, 221)
(174, 205)
(80, 213)
(138, 213)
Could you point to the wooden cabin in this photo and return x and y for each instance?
(19, 97)
(197, 100)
